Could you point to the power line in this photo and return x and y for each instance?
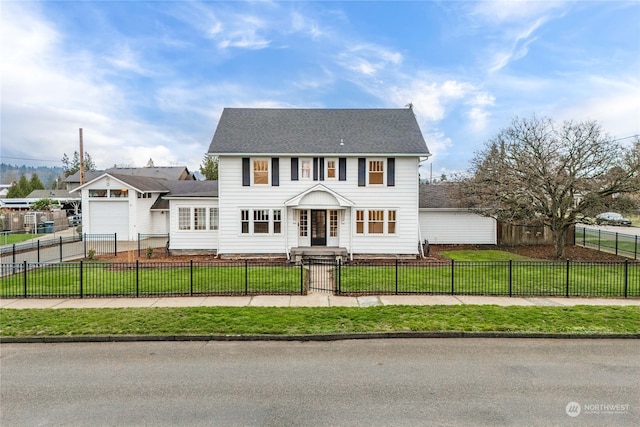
(26, 158)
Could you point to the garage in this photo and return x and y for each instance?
(457, 227)
(108, 217)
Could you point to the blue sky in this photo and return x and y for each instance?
(149, 79)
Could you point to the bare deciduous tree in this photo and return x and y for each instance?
(538, 171)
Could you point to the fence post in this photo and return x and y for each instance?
(38, 250)
(24, 278)
(635, 249)
(599, 234)
(190, 276)
(339, 275)
(626, 277)
(396, 276)
(60, 248)
(301, 277)
(452, 277)
(616, 243)
(567, 280)
(84, 243)
(81, 293)
(115, 244)
(246, 277)
(137, 278)
(510, 277)
(13, 251)
(584, 237)
(138, 244)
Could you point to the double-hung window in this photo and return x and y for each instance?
(261, 171)
(184, 218)
(305, 169)
(376, 172)
(332, 169)
(378, 221)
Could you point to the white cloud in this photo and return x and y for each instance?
(369, 59)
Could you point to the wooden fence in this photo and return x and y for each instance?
(514, 234)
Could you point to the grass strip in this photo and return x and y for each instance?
(317, 320)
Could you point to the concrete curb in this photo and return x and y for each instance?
(321, 337)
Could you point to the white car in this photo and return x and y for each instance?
(612, 218)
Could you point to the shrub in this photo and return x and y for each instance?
(149, 252)
(91, 254)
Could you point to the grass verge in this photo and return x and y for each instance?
(318, 320)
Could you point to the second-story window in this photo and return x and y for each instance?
(261, 171)
(376, 172)
(331, 169)
(305, 169)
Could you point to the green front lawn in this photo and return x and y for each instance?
(318, 320)
(484, 255)
(120, 280)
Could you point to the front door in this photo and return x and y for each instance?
(318, 228)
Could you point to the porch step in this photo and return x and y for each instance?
(297, 254)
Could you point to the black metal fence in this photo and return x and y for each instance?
(252, 277)
(59, 249)
(495, 278)
(99, 279)
(608, 241)
(148, 242)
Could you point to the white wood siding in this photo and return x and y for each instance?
(191, 239)
(403, 198)
(457, 227)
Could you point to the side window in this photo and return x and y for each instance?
(199, 218)
(214, 218)
(244, 221)
(302, 223)
(360, 222)
(391, 223)
(277, 221)
(184, 218)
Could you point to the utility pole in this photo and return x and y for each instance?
(81, 160)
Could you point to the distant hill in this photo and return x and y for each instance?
(48, 175)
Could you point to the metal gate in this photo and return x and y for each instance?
(322, 274)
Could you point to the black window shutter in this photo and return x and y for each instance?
(362, 172)
(294, 169)
(342, 169)
(275, 171)
(315, 168)
(391, 172)
(246, 172)
(321, 164)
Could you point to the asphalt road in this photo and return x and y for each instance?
(363, 382)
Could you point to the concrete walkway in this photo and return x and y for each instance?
(311, 300)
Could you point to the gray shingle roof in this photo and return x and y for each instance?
(186, 189)
(318, 131)
(437, 196)
(162, 172)
(143, 183)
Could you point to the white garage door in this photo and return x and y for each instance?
(109, 218)
(452, 227)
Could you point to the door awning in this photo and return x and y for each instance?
(319, 197)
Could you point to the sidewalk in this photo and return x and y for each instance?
(311, 300)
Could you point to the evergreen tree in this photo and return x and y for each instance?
(209, 167)
(73, 166)
(35, 183)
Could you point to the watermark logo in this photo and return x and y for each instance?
(573, 409)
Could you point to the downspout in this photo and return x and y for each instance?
(285, 221)
(420, 237)
(351, 235)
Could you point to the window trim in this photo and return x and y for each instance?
(383, 172)
(249, 216)
(363, 219)
(335, 168)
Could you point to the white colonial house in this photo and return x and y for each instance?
(292, 182)
(298, 180)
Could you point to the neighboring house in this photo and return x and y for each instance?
(4, 190)
(168, 173)
(343, 180)
(69, 202)
(127, 204)
(442, 221)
